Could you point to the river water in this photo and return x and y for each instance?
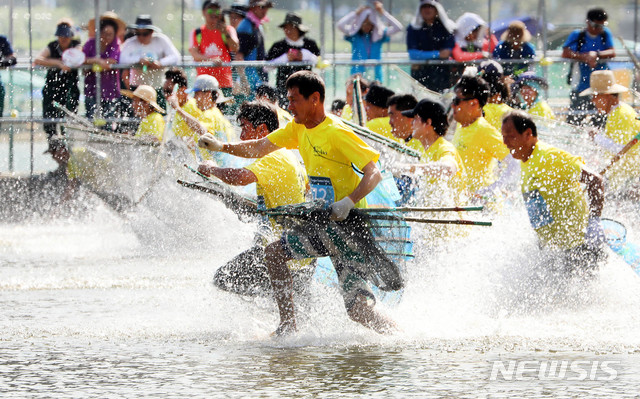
(100, 304)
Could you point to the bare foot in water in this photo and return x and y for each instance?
(285, 329)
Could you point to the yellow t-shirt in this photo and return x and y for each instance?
(180, 127)
(542, 109)
(383, 128)
(441, 189)
(281, 181)
(347, 113)
(493, 113)
(217, 124)
(415, 144)
(554, 198)
(621, 127)
(479, 146)
(328, 150)
(152, 125)
(281, 178)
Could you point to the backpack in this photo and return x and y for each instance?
(573, 66)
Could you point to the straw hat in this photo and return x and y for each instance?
(603, 82)
(145, 93)
(517, 32)
(122, 26)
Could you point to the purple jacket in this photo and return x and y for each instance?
(110, 80)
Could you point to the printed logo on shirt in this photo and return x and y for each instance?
(539, 214)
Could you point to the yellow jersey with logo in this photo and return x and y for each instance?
(493, 113)
(554, 198)
(480, 146)
(329, 150)
(151, 126)
(621, 127)
(542, 109)
(281, 178)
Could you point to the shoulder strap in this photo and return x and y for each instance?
(198, 33)
(582, 38)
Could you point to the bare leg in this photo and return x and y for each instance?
(282, 283)
(364, 313)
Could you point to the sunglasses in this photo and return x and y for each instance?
(144, 33)
(213, 11)
(596, 25)
(458, 100)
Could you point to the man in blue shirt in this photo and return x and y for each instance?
(588, 47)
(251, 39)
(430, 37)
(7, 58)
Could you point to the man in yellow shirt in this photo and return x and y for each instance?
(347, 111)
(375, 106)
(176, 76)
(331, 152)
(207, 93)
(200, 113)
(280, 180)
(446, 178)
(621, 126)
(553, 194)
(479, 144)
(495, 108)
(145, 107)
(402, 131)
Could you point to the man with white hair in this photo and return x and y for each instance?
(430, 37)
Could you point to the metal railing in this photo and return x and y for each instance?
(330, 66)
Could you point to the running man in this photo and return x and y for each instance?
(331, 152)
(555, 200)
(280, 180)
(478, 142)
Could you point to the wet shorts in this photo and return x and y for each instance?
(307, 241)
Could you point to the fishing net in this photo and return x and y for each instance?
(118, 165)
(374, 249)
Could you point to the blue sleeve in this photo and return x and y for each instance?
(528, 51)
(246, 38)
(348, 38)
(423, 55)
(498, 52)
(608, 39)
(411, 39)
(450, 43)
(572, 41)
